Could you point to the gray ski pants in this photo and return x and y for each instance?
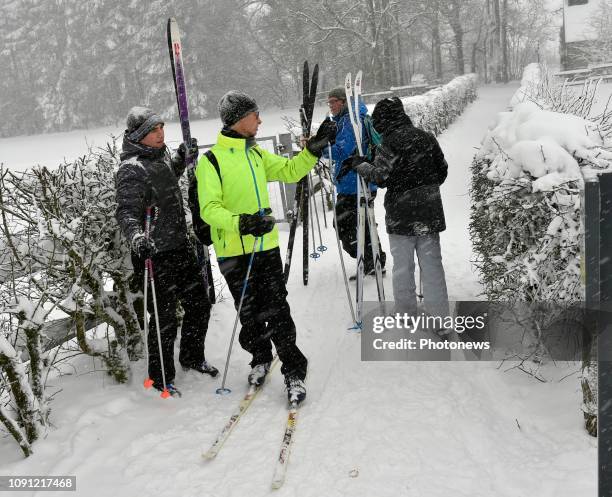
(427, 248)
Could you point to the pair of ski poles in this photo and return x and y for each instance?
(149, 276)
(313, 207)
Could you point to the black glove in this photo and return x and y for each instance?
(144, 247)
(256, 224)
(326, 135)
(349, 164)
(193, 150)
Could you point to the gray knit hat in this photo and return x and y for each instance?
(338, 93)
(140, 122)
(234, 105)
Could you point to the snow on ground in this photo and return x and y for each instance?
(385, 429)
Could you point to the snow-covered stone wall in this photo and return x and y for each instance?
(526, 191)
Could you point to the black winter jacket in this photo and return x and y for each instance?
(150, 177)
(411, 165)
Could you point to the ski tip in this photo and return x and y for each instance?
(276, 485)
(148, 383)
(209, 455)
(165, 394)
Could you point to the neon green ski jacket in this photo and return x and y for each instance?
(241, 188)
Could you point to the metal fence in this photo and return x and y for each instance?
(597, 219)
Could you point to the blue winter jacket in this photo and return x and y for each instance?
(346, 146)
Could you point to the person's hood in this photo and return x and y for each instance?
(131, 149)
(388, 114)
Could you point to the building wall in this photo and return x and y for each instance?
(579, 55)
(576, 20)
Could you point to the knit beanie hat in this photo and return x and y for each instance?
(235, 105)
(338, 93)
(140, 122)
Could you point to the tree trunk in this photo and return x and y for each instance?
(474, 62)
(377, 57)
(485, 62)
(504, 40)
(436, 46)
(401, 70)
(495, 42)
(454, 20)
(459, 49)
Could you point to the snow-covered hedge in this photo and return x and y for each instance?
(527, 177)
(435, 110)
(526, 201)
(62, 253)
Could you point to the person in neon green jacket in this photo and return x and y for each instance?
(233, 199)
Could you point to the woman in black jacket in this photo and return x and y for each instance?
(411, 165)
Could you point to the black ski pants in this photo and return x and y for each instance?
(346, 212)
(178, 278)
(265, 315)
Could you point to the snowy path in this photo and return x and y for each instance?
(367, 429)
(459, 143)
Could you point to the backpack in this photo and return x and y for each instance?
(374, 138)
(200, 228)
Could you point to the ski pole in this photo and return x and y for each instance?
(148, 383)
(165, 394)
(374, 241)
(322, 190)
(223, 390)
(420, 294)
(321, 247)
(346, 281)
(314, 254)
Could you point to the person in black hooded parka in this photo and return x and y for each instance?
(411, 165)
(148, 176)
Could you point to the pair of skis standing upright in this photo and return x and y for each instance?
(365, 205)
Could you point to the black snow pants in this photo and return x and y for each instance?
(265, 315)
(346, 212)
(178, 278)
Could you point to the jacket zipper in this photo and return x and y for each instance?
(246, 152)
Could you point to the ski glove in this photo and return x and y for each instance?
(326, 135)
(142, 246)
(193, 150)
(256, 224)
(349, 165)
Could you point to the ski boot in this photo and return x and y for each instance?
(258, 374)
(204, 367)
(170, 388)
(296, 390)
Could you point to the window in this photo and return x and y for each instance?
(576, 2)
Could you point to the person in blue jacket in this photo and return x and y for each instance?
(346, 187)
